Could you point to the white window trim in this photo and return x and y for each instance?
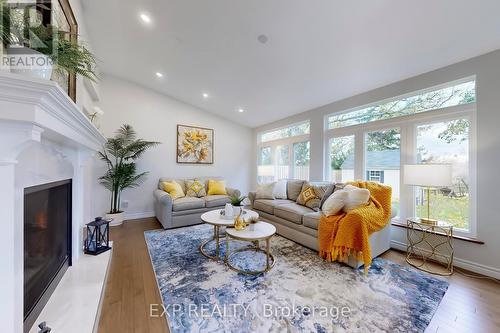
(273, 144)
(448, 84)
(407, 125)
(260, 134)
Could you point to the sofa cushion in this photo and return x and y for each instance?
(293, 188)
(328, 192)
(267, 205)
(216, 200)
(216, 187)
(292, 212)
(311, 195)
(195, 188)
(265, 191)
(356, 197)
(174, 189)
(186, 203)
(311, 220)
(279, 190)
(166, 179)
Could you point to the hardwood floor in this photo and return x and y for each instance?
(470, 305)
(131, 285)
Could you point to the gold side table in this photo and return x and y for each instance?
(260, 231)
(430, 246)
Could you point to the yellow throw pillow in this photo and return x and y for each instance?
(216, 187)
(173, 188)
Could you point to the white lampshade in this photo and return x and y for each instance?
(428, 175)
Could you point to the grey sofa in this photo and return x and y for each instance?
(186, 211)
(300, 223)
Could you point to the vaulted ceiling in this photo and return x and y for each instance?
(310, 52)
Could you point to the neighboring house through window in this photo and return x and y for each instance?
(435, 125)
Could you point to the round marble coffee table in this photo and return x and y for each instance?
(214, 218)
(260, 231)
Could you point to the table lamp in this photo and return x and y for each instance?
(428, 176)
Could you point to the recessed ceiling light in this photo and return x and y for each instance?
(158, 74)
(145, 18)
(205, 95)
(262, 39)
(240, 110)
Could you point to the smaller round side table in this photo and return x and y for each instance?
(261, 231)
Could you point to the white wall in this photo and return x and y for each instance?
(481, 258)
(155, 117)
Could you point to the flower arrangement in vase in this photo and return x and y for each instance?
(251, 222)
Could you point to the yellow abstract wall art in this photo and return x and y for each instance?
(195, 145)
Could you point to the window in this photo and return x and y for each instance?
(266, 168)
(446, 142)
(282, 161)
(461, 93)
(342, 159)
(284, 153)
(433, 126)
(375, 176)
(286, 132)
(301, 160)
(383, 159)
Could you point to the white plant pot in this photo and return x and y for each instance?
(117, 219)
(30, 63)
(237, 210)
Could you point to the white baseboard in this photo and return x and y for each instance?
(138, 215)
(462, 263)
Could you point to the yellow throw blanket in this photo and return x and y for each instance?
(347, 233)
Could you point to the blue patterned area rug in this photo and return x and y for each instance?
(301, 293)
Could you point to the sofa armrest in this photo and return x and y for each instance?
(232, 192)
(163, 208)
(251, 197)
(162, 197)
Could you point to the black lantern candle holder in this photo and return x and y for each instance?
(97, 236)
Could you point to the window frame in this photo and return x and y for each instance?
(408, 125)
(403, 96)
(260, 134)
(289, 141)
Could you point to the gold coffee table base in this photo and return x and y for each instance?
(216, 237)
(270, 261)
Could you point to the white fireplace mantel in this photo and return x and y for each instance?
(44, 104)
(38, 112)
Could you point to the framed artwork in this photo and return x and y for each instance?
(195, 145)
(58, 13)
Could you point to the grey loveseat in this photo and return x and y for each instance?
(186, 210)
(300, 223)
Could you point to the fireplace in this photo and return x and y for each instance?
(47, 243)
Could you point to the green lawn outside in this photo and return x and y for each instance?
(453, 210)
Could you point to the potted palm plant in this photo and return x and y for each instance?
(120, 154)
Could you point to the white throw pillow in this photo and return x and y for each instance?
(279, 191)
(355, 197)
(334, 203)
(265, 191)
